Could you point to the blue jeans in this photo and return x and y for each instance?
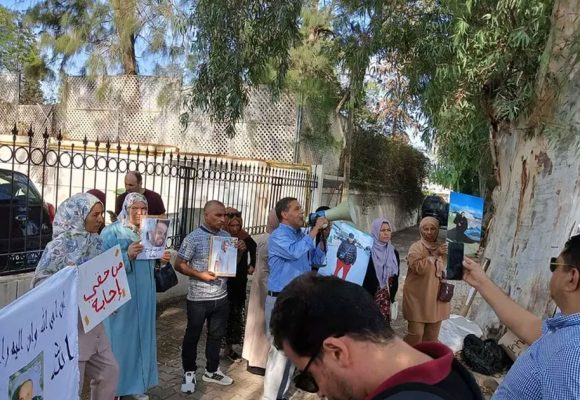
(279, 369)
(216, 313)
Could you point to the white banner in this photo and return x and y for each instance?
(39, 341)
(103, 287)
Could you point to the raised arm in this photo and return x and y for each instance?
(520, 321)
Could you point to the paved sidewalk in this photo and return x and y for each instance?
(171, 326)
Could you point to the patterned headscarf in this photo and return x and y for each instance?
(130, 199)
(71, 243)
(383, 254)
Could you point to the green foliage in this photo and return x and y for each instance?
(19, 53)
(107, 33)
(236, 44)
(471, 65)
(382, 164)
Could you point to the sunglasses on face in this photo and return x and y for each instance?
(304, 380)
(554, 264)
(234, 214)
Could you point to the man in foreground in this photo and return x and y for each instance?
(550, 368)
(333, 331)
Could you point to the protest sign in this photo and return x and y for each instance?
(39, 341)
(103, 287)
(154, 232)
(348, 252)
(223, 256)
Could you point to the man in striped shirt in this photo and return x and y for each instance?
(550, 368)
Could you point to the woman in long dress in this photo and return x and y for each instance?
(75, 241)
(426, 261)
(256, 345)
(132, 328)
(382, 276)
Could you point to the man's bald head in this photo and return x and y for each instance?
(214, 215)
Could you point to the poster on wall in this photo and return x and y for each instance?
(463, 231)
(223, 256)
(348, 252)
(154, 232)
(39, 341)
(103, 287)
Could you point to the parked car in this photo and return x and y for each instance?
(26, 223)
(435, 206)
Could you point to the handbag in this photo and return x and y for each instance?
(165, 277)
(445, 292)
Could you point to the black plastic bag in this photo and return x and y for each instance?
(484, 356)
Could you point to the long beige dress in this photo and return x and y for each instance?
(420, 302)
(256, 345)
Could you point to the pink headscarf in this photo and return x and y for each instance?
(383, 254)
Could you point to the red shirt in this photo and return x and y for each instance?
(430, 372)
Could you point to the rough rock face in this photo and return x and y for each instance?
(537, 201)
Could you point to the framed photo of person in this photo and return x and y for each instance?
(154, 233)
(223, 256)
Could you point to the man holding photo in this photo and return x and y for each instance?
(206, 298)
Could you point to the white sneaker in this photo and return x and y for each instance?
(140, 397)
(189, 381)
(217, 377)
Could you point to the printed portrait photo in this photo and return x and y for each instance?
(223, 256)
(28, 382)
(154, 233)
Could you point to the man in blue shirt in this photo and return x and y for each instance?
(550, 368)
(289, 248)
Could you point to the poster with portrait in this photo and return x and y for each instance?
(103, 287)
(223, 256)
(39, 341)
(463, 231)
(154, 233)
(348, 252)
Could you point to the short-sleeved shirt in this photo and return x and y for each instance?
(195, 250)
(550, 367)
(289, 250)
(155, 204)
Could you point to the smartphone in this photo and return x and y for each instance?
(455, 261)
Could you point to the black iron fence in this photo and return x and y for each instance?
(38, 172)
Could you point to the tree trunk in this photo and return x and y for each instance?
(348, 152)
(125, 12)
(537, 200)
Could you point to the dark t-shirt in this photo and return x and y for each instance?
(155, 205)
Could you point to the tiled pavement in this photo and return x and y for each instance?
(171, 325)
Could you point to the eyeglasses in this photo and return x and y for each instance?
(554, 264)
(234, 214)
(304, 380)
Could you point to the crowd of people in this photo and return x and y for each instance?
(324, 334)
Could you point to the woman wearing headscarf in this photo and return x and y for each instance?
(382, 276)
(256, 345)
(426, 261)
(237, 285)
(76, 241)
(132, 328)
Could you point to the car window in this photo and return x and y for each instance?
(17, 190)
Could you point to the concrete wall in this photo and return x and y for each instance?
(368, 207)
